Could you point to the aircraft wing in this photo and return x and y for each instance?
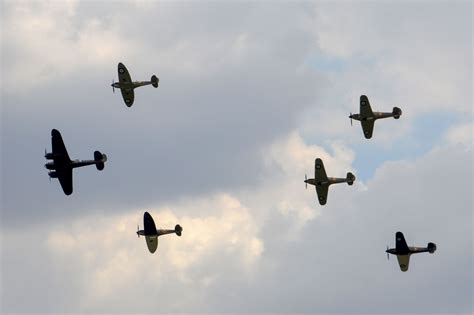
(403, 262)
(367, 128)
(319, 177)
(59, 149)
(151, 243)
(401, 244)
(322, 191)
(65, 179)
(128, 96)
(365, 109)
(124, 77)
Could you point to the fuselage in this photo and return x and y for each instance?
(330, 181)
(376, 115)
(71, 164)
(130, 85)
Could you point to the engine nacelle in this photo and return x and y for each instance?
(431, 248)
(50, 156)
(397, 112)
(350, 178)
(53, 174)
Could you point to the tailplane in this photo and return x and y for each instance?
(350, 178)
(101, 158)
(397, 112)
(154, 81)
(178, 229)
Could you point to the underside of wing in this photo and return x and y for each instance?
(59, 149)
(403, 262)
(152, 243)
(322, 191)
(319, 178)
(365, 109)
(123, 74)
(65, 179)
(367, 128)
(401, 244)
(128, 96)
(319, 171)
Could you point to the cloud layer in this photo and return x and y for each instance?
(250, 94)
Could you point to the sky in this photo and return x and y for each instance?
(250, 94)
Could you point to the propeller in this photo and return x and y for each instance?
(113, 87)
(388, 256)
(350, 116)
(138, 229)
(305, 179)
(45, 152)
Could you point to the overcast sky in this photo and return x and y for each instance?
(250, 94)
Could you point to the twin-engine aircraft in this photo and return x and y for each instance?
(61, 166)
(322, 182)
(151, 233)
(403, 251)
(367, 117)
(126, 85)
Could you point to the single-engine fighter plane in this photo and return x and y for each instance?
(151, 233)
(126, 85)
(322, 182)
(61, 166)
(367, 117)
(403, 251)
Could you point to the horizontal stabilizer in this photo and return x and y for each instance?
(350, 178)
(154, 81)
(101, 158)
(178, 229)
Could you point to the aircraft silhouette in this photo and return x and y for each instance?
(322, 182)
(126, 85)
(61, 166)
(367, 117)
(151, 233)
(403, 251)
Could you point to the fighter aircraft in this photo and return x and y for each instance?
(367, 117)
(322, 182)
(126, 85)
(403, 252)
(151, 233)
(61, 166)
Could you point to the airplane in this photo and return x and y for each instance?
(61, 166)
(151, 233)
(403, 251)
(126, 85)
(367, 117)
(322, 182)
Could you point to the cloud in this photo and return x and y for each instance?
(222, 147)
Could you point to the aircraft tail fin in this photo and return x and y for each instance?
(350, 178)
(178, 229)
(154, 81)
(101, 158)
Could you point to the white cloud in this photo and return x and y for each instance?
(106, 252)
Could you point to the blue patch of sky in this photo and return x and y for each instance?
(428, 131)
